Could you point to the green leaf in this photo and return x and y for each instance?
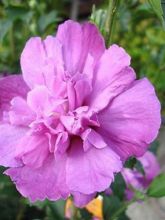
(156, 5)
(130, 163)
(157, 187)
(85, 214)
(5, 26)
(139, 195)
(118, 186)
(98, 18)
(155, 145)
(123, 217)
(114, 209)
(134, 163)
(17, 12)
(110, 205)
(163, 8)
(47, 19)
(139, 167)
(56, 209)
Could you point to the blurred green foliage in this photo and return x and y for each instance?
(157, 187)
(20, 20)
(137, 29)
(141, 33)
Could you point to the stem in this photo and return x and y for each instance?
(121, 210)
(109, 22)
(74, 9)
(162, 18)
(109, 16)
(12, 43)
(163, 22)
(21, 210)
(138, 196)
(75, 213)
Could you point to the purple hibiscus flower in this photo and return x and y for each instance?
(138, 180)
(73, 116)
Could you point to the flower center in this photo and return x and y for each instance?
(76, 122)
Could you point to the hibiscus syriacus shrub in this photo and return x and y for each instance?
(74, 116)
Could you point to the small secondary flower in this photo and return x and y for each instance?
(138, 180)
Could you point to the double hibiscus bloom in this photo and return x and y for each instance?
(74, 116)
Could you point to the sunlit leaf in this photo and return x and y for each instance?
(157, 187)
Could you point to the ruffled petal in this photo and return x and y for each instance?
(82, 90)
(41, 61)
(131, 178)
(137, 179)
(113, 76)
(20, 113)
(101, 98)
(42, 103)
(92, 139)
(131, 122)
(33, 150)
(11, 86)
(62, 142)
(46, 182)
(80, 199)
(112, 62)
(38, 100)
(10, 136)
(150, 165)
(91, 171)
(77, 42)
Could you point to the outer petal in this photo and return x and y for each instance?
(80, 200)
(38, 99)
(82, 90)
(41, 61)
(47, 181)
(78, 41)
(33, 150)
(130, 177)
(137, 179)
(111, 63)
(91, 171)
(132, 121)
(113, 76)
(11, 86)
(10, 137)
(41, 102)
(20, 113)
(92, 139)
(150, 165)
